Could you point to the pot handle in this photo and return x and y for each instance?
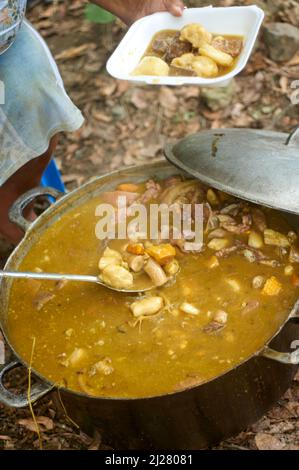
(8, 398)
(17, 209)
(283, 357)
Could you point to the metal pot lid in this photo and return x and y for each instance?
(255, 165)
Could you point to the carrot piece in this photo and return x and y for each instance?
(163, 253)
(272, 287)
(135, 248)
(295, 280)
(128, 187)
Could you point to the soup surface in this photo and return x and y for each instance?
(223, 304)
(193, 51)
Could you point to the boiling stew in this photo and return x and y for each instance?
(222, 305)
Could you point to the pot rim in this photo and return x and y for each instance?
(53, 207)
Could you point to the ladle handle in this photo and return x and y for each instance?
(16, 212)
(38, 390)
(48, 276)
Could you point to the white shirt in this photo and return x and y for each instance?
(11, 17)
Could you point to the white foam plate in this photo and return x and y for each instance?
(243, 21)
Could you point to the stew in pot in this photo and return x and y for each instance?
(209, 310)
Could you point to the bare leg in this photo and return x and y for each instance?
(23, 180)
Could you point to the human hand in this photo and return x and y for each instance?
(131, 10)
(145, 7)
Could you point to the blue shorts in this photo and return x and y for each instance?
(34, 105)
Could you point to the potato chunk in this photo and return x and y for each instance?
(172, 268)
(152, 66)
(221, 58)
(202, 66)
(184, 61)
(109, 257)
(274, 238)
(196, 34)
(189, 308)
(117, 276)
(205, 67)
(218, 243)
(147, 306)
(255, 240)
(76, 358)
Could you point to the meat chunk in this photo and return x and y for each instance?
(176, 48)
(217, 324)
(231, 46)
(112, 197)
(41, 299)
(250, 306)
(152, 191)
(225, 252)
(161, 45)
(259, 219)
(103, 367)
(294, 254)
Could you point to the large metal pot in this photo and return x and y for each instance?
(191, 419)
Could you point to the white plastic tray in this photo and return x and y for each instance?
(245, 21)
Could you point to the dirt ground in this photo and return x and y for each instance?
(128, 125)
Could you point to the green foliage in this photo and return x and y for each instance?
(97, 14)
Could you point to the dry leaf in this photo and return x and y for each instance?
(138, 98)
(2, 351)
(45, 423)
(294, 60)
(168, 99)
(74, 52)
(73, 177)
(267, 442)
(100, 116)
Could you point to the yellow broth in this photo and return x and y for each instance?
(158, 354)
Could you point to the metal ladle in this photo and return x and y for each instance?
(68, 277)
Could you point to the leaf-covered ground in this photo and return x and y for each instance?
(128, 125)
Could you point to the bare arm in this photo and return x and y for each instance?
(130, 10)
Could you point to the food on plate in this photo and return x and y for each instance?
(152, 66)
(221, 58)
(207, 311)
(196, 34)
(201, 66)
(193, 51)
